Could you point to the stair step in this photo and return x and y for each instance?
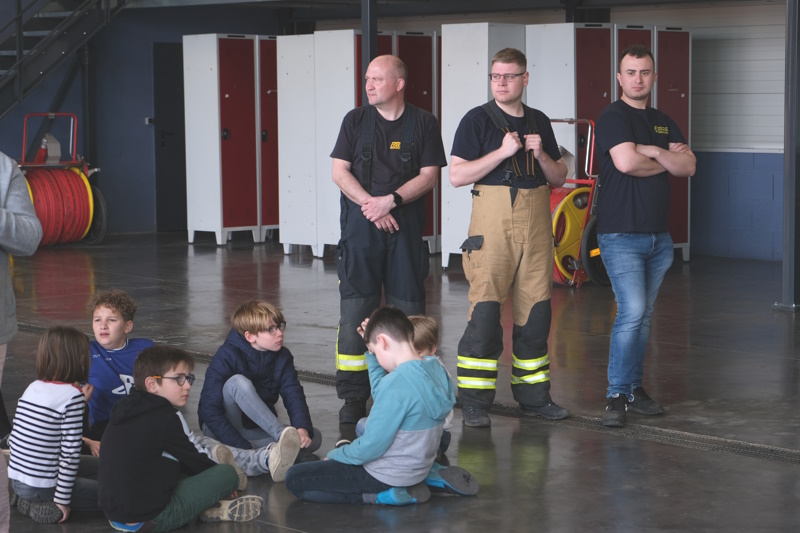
(9, 46)
(40, 24)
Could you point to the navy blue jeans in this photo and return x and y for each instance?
(636, 264)
(332, 482)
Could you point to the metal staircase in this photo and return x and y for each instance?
(41, 35)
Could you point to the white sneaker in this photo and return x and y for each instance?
(242, 509)
(282, 454)
(222, 455)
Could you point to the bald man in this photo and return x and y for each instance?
(382, 216)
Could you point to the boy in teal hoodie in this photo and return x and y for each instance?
(393, 461)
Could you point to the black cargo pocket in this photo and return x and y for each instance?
(472, 255)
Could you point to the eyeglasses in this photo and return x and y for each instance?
(273, 329)
(180, 379)
(507, 77)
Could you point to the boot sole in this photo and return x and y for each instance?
(40, 512)
(454, 480)
(241, 509)
(287, 448)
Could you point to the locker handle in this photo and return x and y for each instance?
(263, 136)
(225, 134)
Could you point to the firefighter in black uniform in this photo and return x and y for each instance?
(387, 157)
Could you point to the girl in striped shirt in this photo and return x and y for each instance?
(47, 472)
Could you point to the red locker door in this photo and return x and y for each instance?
(672, 89)
(417, 53)
(626, 36)
(268, 78)
(593, 83)
(237, 108)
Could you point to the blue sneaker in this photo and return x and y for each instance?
(451, 479)
(121, 526)
(418, 493)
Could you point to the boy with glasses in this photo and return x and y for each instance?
(247, 375)
(151, 476)
(111, 376)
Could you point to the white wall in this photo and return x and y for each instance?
(738, 71)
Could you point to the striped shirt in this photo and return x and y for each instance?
(46, 440)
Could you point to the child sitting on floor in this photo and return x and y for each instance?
(152, 477)
(47, 472)
(390, 462)
(426, 342)
(112, 357)
(243, 382)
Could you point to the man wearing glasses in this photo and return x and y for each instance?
(507, 151)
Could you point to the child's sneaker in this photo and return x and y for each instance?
(40, 512)
(451, 479)
(222, 455)
(281, 454)
(241, 509)
(141, 527)
(419, 493)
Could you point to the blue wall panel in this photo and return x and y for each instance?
(737, 205)
(124, 92)
(121, 58)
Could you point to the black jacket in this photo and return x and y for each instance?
(135, 478)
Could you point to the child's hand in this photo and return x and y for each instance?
(94, 446)
(64, 512)
(360, 329)
(87, 389)
(305, 440)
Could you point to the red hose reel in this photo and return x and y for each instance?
(67, 205)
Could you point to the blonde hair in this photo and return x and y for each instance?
(255, 316)
(510, 55)
(426, 333)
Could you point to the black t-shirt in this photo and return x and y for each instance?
(387, 174)
(477, 136)
(628, 204)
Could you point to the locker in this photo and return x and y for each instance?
(231, 159)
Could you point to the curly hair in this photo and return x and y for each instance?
(116, 300)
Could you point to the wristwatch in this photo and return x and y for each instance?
(398, 200)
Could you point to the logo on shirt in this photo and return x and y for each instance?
(395, 145)
(125, 388)
(661, 130)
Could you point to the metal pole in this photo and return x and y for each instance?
(369, 39)
(791, 157)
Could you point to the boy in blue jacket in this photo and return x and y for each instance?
(392, 463)
(242, 384)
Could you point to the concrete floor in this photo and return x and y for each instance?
(724, 457)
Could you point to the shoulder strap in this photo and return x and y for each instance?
(367, 141)
(493, 110)
(530, 118)
(407, 140)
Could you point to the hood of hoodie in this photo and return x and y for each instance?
(139, 403)
(429, 379)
